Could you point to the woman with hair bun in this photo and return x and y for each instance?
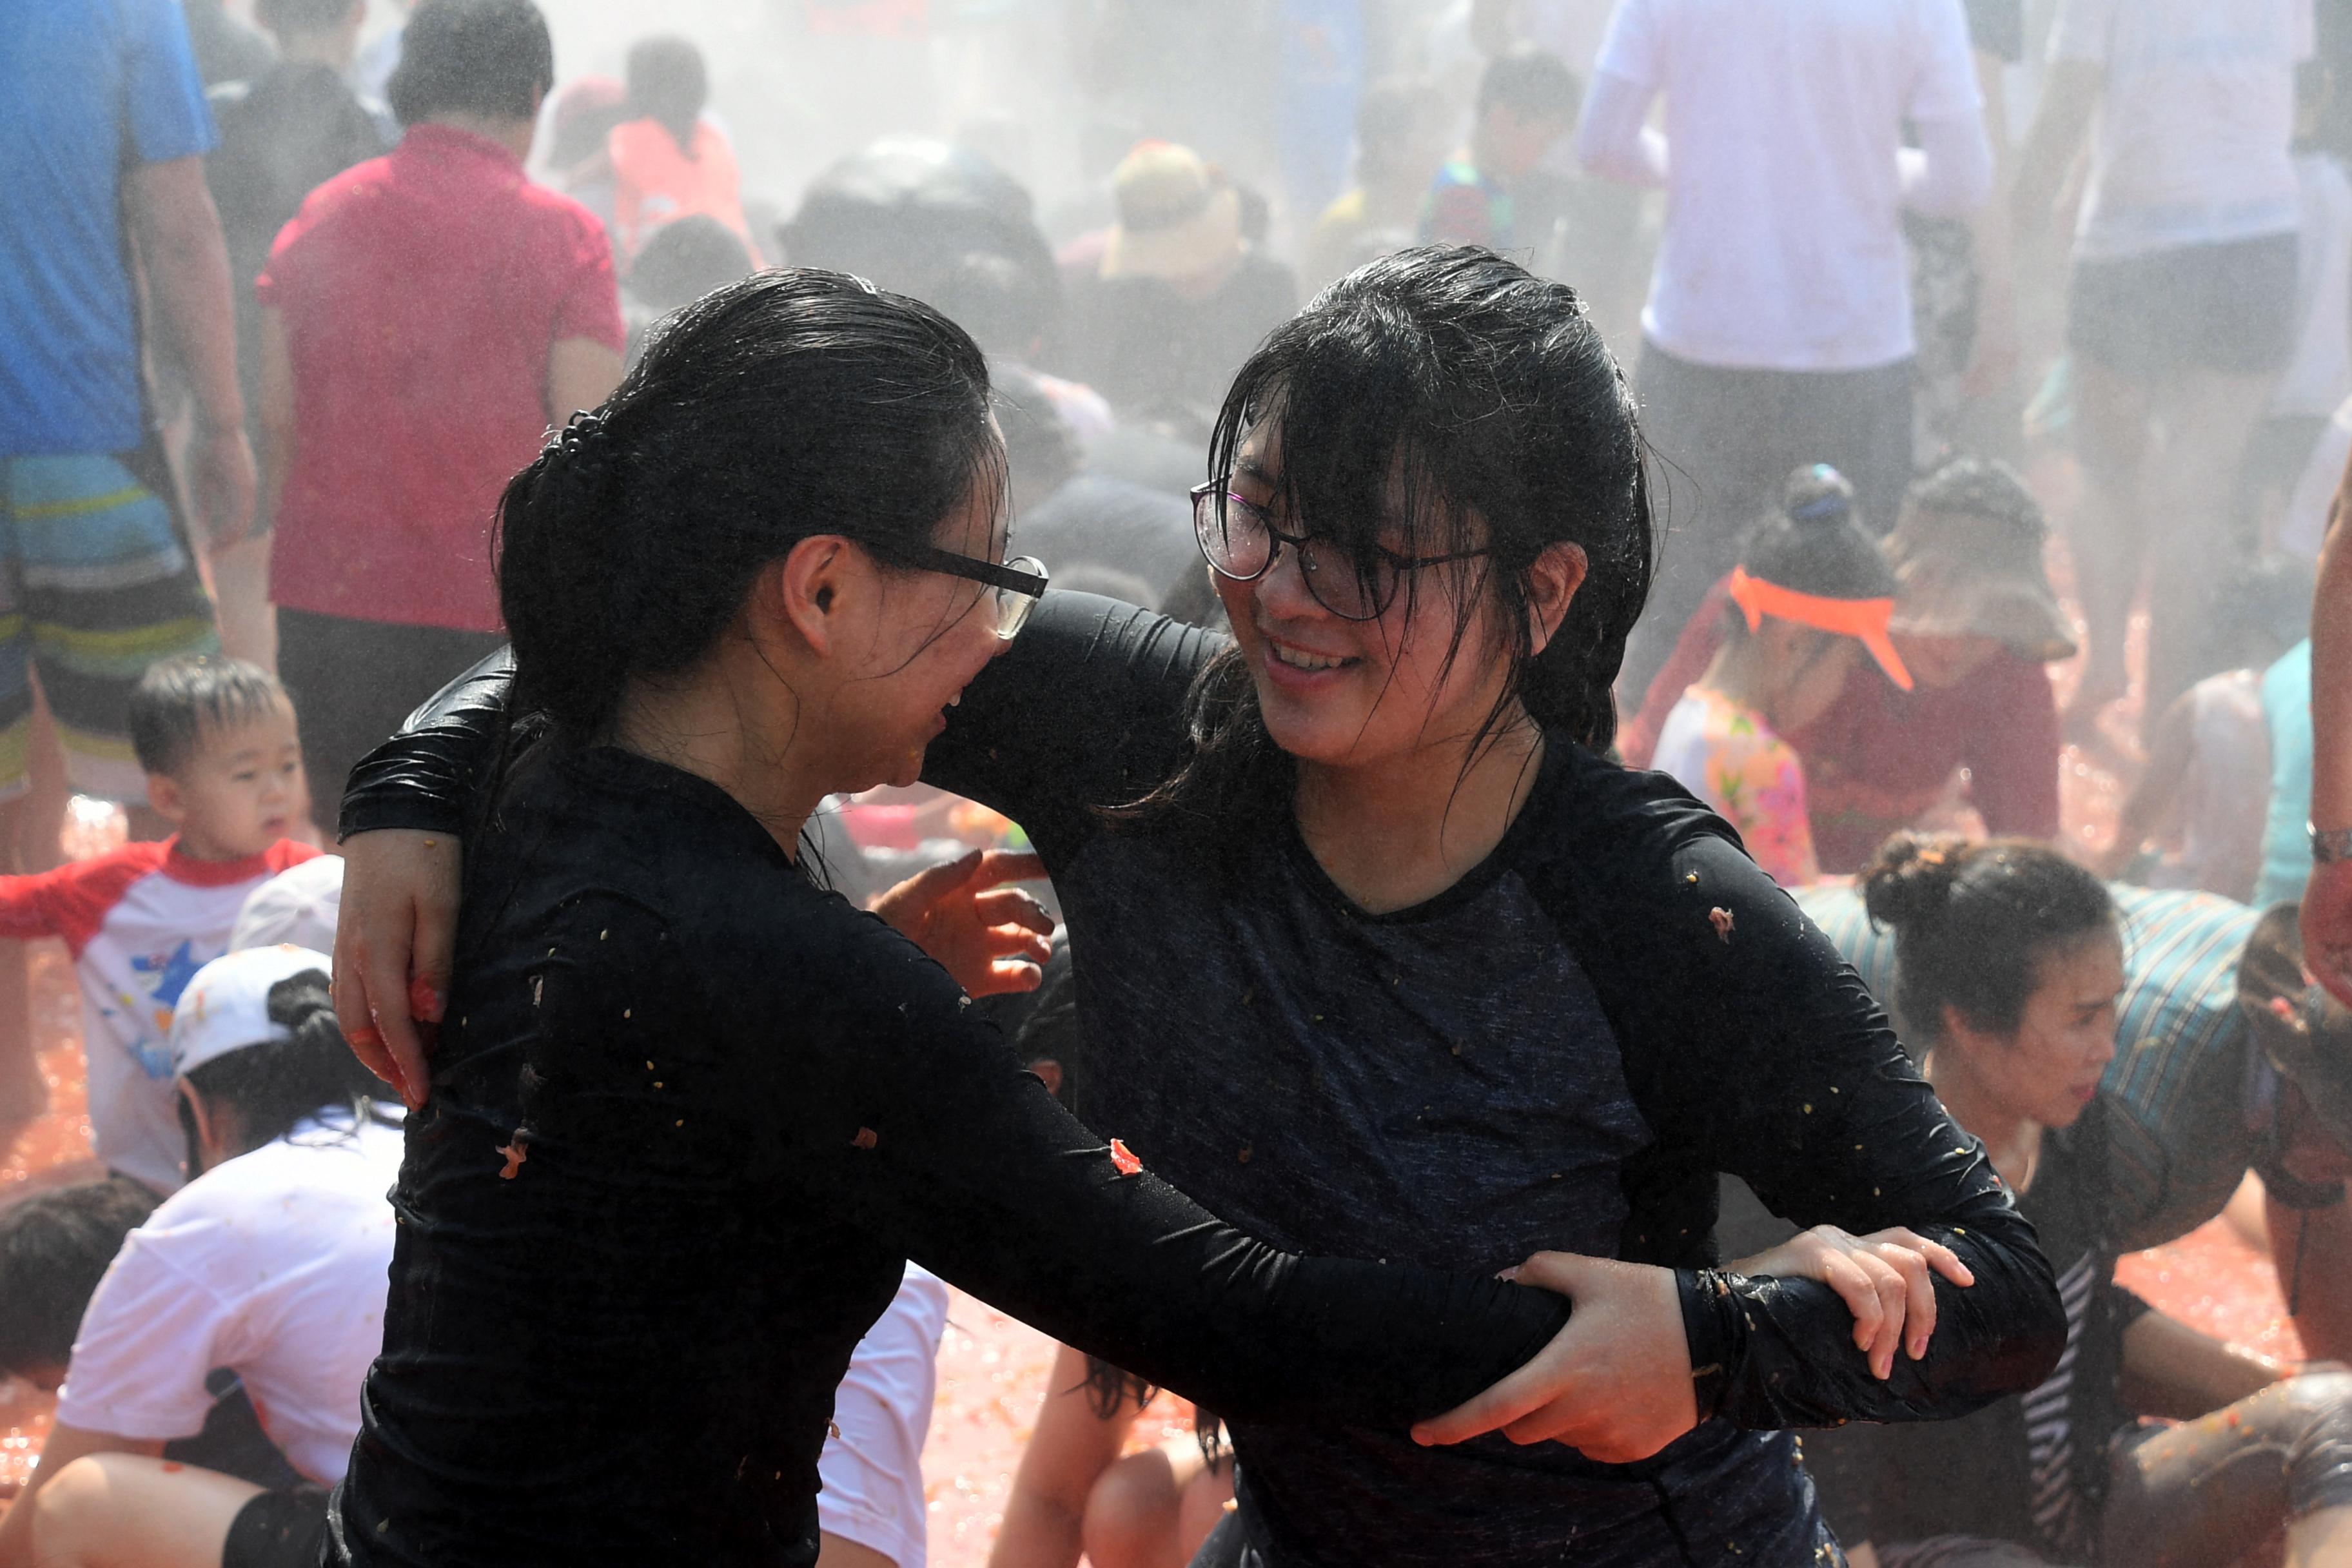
(1810, 594)
(2009, 965)
(1373, 946)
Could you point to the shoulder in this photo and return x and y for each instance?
(108, 875)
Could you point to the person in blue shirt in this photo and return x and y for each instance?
(101, 159)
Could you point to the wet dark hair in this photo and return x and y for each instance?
(1974, 487)
(1532, 83)
(785, 405)
(1487, 394)
(179, 698)
(1974, 922)
(1814, 541)
(472, 57)
(275, 1085)
(297, 17)
(55, 1247)
(668, 84)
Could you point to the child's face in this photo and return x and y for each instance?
(1516, 142)
(240, 792)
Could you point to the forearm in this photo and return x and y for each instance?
(2331, 672)
(2170, 1370)
(1614, 139)
(980, 1176)
(185, 260)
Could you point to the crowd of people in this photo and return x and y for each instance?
(1416, 794)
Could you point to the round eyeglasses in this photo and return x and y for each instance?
(1239, 541)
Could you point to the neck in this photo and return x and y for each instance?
(1397, 832)
(2011, 1138)
(512, 134)
(706, 725)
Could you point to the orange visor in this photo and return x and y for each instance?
(1864, 620)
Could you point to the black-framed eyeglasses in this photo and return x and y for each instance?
(1014, 586)
(1239, 541)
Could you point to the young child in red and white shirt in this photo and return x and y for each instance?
(218, 740)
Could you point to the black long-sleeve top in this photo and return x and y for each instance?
(689, 1115)
(1560, 1051)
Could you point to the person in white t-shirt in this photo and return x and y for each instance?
(2181, 308)
(1778, 329)
(270, 1262)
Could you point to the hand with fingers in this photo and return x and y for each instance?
(2326, 921)
(990, 937)
(394, 942)
(1882, 1277)
(1615, 1384)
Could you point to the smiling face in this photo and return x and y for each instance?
(910, 641)
(1345, 693)
(2049, 1069)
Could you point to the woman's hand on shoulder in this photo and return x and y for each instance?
(1882, 1277)
(1615, 1384)
(989, 937)
(394, 942)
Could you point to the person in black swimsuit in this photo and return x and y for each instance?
(1374, 947)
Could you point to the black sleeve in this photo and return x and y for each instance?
(429, 775)
(949, 1148)
(1752, 1047)
(1085, 710)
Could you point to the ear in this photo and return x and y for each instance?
(164, 795)
(1552, 582)
(201, 1114)
(807, 588)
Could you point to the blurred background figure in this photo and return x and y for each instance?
(1528, 101)
(1400, 131)
(1179, 295)
(1779, 330)
(282, 134)
(668, 161)
(2180, 309)
(403, 384)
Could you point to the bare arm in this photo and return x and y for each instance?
(1044, 1517)
(178, 236)
(2171, 1370)
(2327, 901)
(277, 411)
(2153, 803)
(1614, 139)
(580, 373)
(65, 1445)
(2070, 94)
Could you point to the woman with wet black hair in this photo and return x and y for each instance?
(1374, 947)
(690, 1113)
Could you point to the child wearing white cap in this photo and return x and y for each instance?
(272, 1262)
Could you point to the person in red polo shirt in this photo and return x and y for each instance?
(426, 318)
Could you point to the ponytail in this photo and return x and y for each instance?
(1973, 923)
(788, 405)
(275, 1085)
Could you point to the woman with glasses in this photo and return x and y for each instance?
(690, 1113)
(1374, 947)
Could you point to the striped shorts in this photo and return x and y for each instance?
(96, 582)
